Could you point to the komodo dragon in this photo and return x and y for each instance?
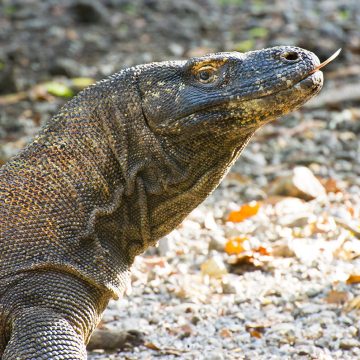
(116, 169)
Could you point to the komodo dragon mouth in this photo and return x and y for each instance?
(312, 79)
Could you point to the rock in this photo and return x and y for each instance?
(217, 243)
(214, 267)
(288, 205)
(113, 339)
(176, 49)
(301, 183)
(254, 193)
(308, 309)
(286, 330)
(296, 220)
(230, 284)
(308, 351)
(7, 78)
(282, 250)
(313, 291)
(209, 222)
(90, 12)
(215, 356)
(347, 344)
(165, 246)
(64, 66)
(257, 159)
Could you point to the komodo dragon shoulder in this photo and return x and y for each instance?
(117, 168)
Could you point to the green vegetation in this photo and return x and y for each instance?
(230, 2)
(58, 89)
(258, 32)
(244, 45)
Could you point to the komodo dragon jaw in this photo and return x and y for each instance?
(118, 167)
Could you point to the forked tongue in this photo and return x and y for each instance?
(331, 58)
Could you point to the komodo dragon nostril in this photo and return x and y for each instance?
(290, 55)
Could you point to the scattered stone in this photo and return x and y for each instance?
(111, 340)
(176, 49)
(216, 356)
(230, 284)
(347, 344)
(300, 183)
(65, 67)
(165, 246)
(217, 243)
(296, 220)
(90, 11)
(7, 76)
(282, 250)
(214, 267)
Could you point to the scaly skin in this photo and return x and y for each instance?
(119, 167)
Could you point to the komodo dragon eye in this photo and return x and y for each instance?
(206, 74)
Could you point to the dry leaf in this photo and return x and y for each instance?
(9, 99)
(256, 330)
(255, 334)
(152, 262)
(351, 210)
(235, 245)
(262, 250)
(282, 250)
(353, 304)
(225, 333)
(331, 185)
(353, 279)
(256, 257)
(245, 211)
(152, 346)
(337, 297)
(184, 330)
(247, 261)
(167, 351)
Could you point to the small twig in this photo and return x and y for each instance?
(331, 58)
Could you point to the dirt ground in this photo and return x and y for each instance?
(299, 296)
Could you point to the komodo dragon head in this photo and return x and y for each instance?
(202, 112)
(226, 95)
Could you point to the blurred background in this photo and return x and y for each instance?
(267, 267)
(46, 40)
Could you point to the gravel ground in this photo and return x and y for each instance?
(292, 288)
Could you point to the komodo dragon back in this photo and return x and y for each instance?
(119, 167)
